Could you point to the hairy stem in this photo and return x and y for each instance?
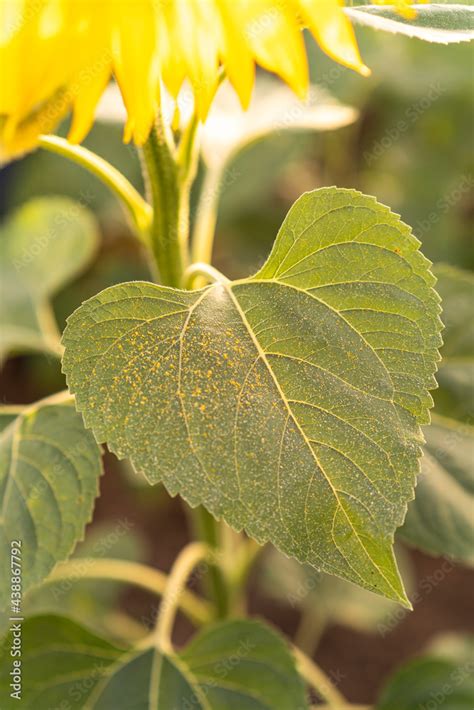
(198, 610)
(189, 557)
(170, 198)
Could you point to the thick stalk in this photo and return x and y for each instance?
(206, 528)
(170, 198)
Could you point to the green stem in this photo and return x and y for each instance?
(49, 328)
(208, 272)
(188, 558)
(170, 199)
(317, 679)
(207, 530)
(198, 610)
(310, 629)
(139, 209)
(206, 216)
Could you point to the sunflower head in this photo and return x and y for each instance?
(59, 55)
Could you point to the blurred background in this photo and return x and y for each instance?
(411, 147)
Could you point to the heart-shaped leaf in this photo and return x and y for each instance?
(440, 520)
(287, 403)
(49, 472)
(434, 22)
(234, 664)
(43, 246)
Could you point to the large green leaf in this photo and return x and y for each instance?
(442, 678)
(433, 22)
(440, 520)
(288, 402)
(49, 472)
(233, 665)
(43, 246)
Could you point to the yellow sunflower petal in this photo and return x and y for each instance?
(57, 55)
(193, 27)
(272, 31)
(17, 138)
(135, 59)
(333, 31)
(93, 66)
(235, 52)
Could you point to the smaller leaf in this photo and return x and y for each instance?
(442, 678)
(232, 665)
(43, 245)
(440, 519)
(49, 472)
(61, 664)
(455, 395)
(443, 24)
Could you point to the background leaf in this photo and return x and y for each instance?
(455, 396)
(434, 22)
(441, 678)
(286, 403)
(43, 246)
(49, 474)
(274, 109)
(440, 519)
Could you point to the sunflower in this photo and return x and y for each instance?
(57, 56)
